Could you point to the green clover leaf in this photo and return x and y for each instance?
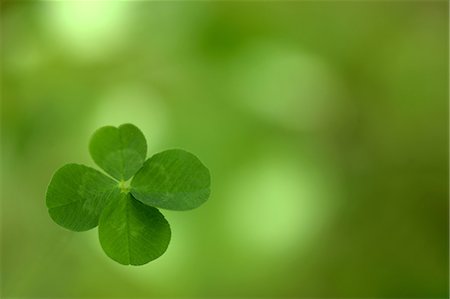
(132, 231)
(173, 179)
(119, 151)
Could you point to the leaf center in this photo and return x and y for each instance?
(124, 186)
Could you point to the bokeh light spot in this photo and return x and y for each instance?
(279, 205)
(87, 29)
(286, 86)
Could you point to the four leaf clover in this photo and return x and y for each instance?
(130, 227)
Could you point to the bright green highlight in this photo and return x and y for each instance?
(131, 232)
(124, 186)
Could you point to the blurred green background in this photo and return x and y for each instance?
(324, 125)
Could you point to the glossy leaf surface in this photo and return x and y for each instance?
(132, 233)
(77, 195)
(174, 180)
(119, 151)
